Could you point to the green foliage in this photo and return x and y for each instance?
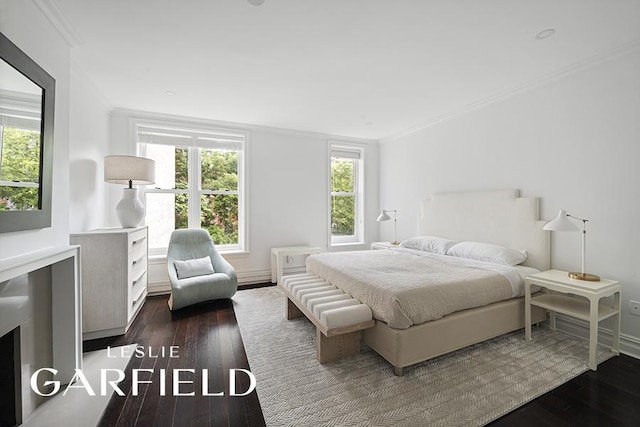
(343, 206)
(219, 215)
(342, 175)
(182, 168)
(219, 170)
(343, 215)
(218, 212)
(182, 181)
(20, 162)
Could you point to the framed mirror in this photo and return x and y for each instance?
(27, 100)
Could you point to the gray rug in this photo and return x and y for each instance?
(472, 386)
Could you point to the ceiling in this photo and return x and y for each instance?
(358, 68)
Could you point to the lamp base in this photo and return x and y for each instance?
(130, 209)
(585, 276)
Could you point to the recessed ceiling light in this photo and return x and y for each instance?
(544, 34)
(169, 93)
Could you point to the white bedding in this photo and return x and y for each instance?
(515, 274)
(405, 287)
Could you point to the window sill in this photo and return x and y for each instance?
(349, 246)
(159, 259)
(347, 243)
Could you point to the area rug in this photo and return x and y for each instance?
(468, 387)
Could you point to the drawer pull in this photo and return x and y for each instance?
(137, 301)
(140, 240)
(137, 261)
(139, 278)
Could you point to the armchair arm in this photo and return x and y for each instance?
(221, 265)
(171, 270)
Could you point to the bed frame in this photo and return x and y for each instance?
(500, 217)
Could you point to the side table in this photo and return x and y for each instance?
(383, 245)
(588, 308)
(278, 255)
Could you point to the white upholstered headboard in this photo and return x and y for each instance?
(500, 217)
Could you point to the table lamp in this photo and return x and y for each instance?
(384, 216)
(562, 223)
(129, 170)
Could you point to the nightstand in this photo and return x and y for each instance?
(278, 256)
(383, 245)
(586, 307)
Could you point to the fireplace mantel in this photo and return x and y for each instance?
(23, 282)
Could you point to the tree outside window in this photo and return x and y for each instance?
(343, 198)
(346, 200)
(19, 168)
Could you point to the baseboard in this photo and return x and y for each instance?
(629, 345)
(254, 276)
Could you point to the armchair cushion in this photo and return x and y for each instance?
(193, 267)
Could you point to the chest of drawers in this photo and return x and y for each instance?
(114, 279)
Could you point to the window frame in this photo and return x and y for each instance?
(194, 190)
(352, 151)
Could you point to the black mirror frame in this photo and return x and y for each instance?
(41, 218)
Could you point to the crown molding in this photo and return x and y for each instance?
(516, 90)
(78, 73)
(60, 22)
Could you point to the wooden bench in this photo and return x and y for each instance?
(339, 319)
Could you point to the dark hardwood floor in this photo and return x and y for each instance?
(207, 337)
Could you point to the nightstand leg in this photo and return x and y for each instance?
(279, 263)
(527, 312)
(593, 333)
(274, 277)
(616, 324)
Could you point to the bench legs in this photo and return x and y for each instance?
(333, 348)
(292, 311)
(328, 349)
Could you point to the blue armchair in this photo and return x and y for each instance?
(193, 244)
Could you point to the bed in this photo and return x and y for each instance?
(463, 313)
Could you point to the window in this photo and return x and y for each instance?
(199, 184)
(346, 198)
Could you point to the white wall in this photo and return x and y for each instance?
(287, 187)
(573, 142)
(89, 143)
(24, 24)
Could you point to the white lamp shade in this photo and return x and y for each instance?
(383, 216)
(561, 223)
(122, 169)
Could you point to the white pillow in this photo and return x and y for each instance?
(488, 252)
(436, 245)
(193, 267)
